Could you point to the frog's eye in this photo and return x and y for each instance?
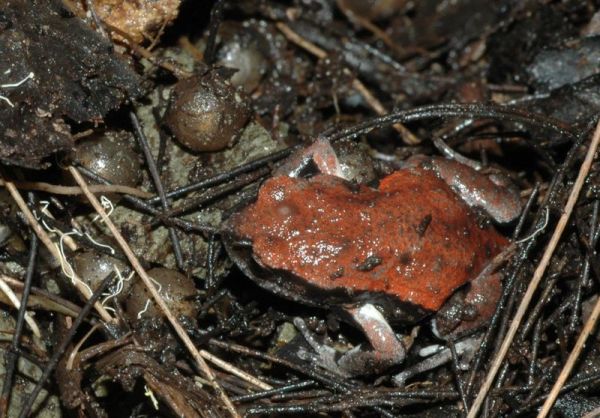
(206, 112)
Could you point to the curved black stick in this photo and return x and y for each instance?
(456, 110)
(12, 354)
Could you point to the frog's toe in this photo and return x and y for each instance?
(323, 355)
(437, 355)
(362, 361)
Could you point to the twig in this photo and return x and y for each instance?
(158, 186)
(235, 371)
(371, 100)
(60, 349)
(407, 136)
(326, 377)
(159, 34)
(227, 176)
(97, 21)
(585, 270)
(12, 354)
(216, 16)
(592, 320)
(212, 194)
(75, 190)
(5, 288)
(277, 391)
(537, 276)
(144, 53)
(45, 238)
(300, 41)
(183, 224)
(41, 299)
(370, 26)
(154, 293)
(75, 350)
(188, 46)
(461, 110)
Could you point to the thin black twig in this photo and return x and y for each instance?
(535, 345)
(456, 110)
(143, 206)
(226, 176)
(458, 381)
(61, 348)
(210, 301)
(526, 211)
(214, 193)
(591, 255)
(162, 142)
(358, 398)
(216, 15)
(587, 265)
(591, 379)
(330, 380)
(12, 355)
(209, 283)
(547, 293)
(277, 391)
(143, 141)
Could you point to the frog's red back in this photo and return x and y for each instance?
(412, 238)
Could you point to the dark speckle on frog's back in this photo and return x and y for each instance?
(412, 239)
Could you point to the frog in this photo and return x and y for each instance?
(375, 252)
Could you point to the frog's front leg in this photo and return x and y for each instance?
(386, 349)
(494, 194)
(437, 356)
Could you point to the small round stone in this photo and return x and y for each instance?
(207, 113)
(177, 290)
(243, 49)
(93, 268)
(111, 156)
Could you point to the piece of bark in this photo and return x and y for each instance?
(75, 75)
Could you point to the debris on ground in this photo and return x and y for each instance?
(250, 208)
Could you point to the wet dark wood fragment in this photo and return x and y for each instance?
(67, 72)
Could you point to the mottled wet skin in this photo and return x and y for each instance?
(412, 238)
